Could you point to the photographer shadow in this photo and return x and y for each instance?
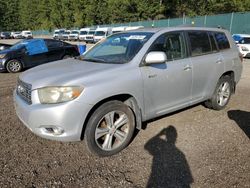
(242, 118)
(169, 167)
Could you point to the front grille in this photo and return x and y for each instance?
(90, 38)
(24, 91)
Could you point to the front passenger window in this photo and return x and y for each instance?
(173, 44)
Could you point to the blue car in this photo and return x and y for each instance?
(33, 52)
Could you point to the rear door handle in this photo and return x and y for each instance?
(187, 68)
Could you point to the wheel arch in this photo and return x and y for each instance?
(231, 74)
(126, 99)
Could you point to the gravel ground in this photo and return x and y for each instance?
(205, 148)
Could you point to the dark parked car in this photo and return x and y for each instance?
(33, 52)
(5, 35)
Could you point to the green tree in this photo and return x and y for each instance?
(10, 15)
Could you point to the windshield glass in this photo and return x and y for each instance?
(74, 32)
(119, 48)
(56, 32)
(100, 33)
(18, 45)
(245, 40)
(67, 33)
(91, 32)
(27, 33)
(83, 33)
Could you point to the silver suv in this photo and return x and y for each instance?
(128, 78)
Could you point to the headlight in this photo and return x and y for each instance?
(53, 95)
(244, 48)
(2, 56)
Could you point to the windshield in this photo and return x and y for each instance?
(67, 33)
(19, 45)
(83, 33)
(27, 33)
(74, 32)
(119, 48)
(245, 40)
(100, 33)
(91, 32)
(56, 32)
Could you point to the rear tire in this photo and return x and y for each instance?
(14, 66)
(66, 56)
(109, 129)
(222, 94)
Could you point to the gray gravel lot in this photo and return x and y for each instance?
(205, 148)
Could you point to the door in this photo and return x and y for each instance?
(55, 50)
(168, 86)
(34, 52)
(208, 64)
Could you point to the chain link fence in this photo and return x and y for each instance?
(234, 22)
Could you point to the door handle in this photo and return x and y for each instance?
(187, 68)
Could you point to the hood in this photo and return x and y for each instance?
(65, 72)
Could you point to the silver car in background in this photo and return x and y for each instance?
(128, 78)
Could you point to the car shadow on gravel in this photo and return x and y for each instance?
(242, 118)
(169, 167)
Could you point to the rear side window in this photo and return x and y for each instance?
(200, 43)
(222, 40)
(53, 44)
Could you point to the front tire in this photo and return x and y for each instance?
(14, 66)
(221, 95)
(109, 129)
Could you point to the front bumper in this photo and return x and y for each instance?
(18, 37)
(28, 37)
(73, 38)
(87, 39)
(81, 38)
(68, 116)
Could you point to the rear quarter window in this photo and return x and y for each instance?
(222, 40)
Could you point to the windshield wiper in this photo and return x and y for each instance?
(94, 60)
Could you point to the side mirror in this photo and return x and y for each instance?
(155, 58)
